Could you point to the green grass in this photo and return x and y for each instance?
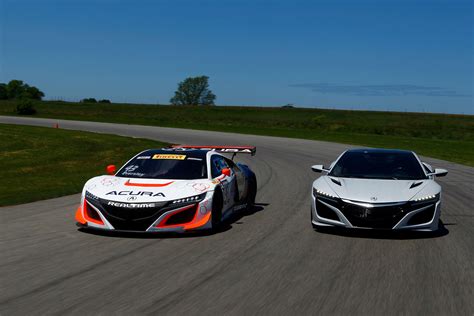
(448, 137)
(40, 163)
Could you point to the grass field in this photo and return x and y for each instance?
(448, 137)
(40, 163)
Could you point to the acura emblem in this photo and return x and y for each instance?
(374, 198)
(131, 198)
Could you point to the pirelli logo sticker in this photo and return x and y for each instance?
(168, 156)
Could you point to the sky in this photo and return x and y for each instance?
(395, 55)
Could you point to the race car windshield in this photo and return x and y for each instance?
(177, 167)
(378, 165)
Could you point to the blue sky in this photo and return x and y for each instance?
(380, 55)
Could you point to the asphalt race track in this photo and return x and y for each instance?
(268, 262)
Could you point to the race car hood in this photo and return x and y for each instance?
(375, 190)
(145, 190)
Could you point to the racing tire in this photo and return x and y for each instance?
(252, 192)
(216, 213)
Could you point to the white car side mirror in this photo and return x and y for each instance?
(438, 172)
(319, 168)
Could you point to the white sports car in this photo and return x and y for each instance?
(177, 189)
(377, 189)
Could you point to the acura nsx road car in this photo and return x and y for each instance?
(377, 189)
(175, 189)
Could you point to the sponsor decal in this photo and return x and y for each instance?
(108, 182)
(144, 157)
(131, 168)
(129, 171)
(234, 150)
(201, 187)
(169, 156)
(131, 205)
(133, 174)
(135, 193)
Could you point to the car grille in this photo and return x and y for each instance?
(379, 217)
(124, 217)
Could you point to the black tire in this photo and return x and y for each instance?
(315, 227)
(216, 215)
(252, 192)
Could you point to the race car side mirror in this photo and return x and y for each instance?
(319, 168)
(226, 171)
(111, 169)
(438, 172)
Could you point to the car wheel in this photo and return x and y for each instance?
(315, 227)
(216, 215)
(252, 192)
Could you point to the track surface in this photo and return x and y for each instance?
(269, 262)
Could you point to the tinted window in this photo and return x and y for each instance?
(162, 168)
(217, 164)
(378, 165)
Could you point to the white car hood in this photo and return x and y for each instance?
(376, 190)
(145, 190)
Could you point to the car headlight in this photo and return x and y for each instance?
(188, 200)
(322, 193)
(427, 198)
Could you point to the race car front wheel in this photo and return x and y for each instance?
(216, 215)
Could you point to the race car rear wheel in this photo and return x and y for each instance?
(252, 192)
(216, 215)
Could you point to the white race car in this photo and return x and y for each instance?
(176, 189)
(377, 189)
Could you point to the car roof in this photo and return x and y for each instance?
(194, 153)
(379, 150)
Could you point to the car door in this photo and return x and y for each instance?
(228, 184)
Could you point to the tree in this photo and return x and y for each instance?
(104, 101)
(3, 91)
(25, 107)
(32, 93)
(16, 89)
(89, 100)
(193, 91)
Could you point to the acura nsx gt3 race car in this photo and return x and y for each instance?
(377, 189)
(176, 189)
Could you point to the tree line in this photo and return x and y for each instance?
(191, 91)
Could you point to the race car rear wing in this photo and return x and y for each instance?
(223, 149)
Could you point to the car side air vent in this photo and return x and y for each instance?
(415, 184)
(335, 181)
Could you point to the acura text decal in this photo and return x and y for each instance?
(139, 193)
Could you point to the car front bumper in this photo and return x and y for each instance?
(201, 219)
(414, 219)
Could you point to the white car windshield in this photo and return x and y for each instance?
(396, 165)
